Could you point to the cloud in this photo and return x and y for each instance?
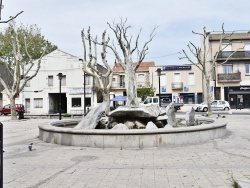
(61, 21)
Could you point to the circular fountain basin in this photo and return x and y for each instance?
(58, 133)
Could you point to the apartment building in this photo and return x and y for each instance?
(178, 83)
(232, 79)
(118, 81)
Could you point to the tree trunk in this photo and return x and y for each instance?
(106, 98)
(209, 112)
(131, 87)
(13, 108)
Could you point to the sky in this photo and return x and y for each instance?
(61, 22)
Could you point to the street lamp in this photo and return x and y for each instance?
(84, 93)
(159, 81)
(60, 75)
(84, 90)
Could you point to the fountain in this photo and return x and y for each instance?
(123, 137)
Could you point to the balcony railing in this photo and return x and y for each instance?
(143, 84)
(118, 85)
(177, 85)
(229, 77)
(236, 55)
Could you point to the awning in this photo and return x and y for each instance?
(119, 98)
(239, 92)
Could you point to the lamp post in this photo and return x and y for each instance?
(159, 82)
(60, 75)
(84, 90)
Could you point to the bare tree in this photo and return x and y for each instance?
(102, 80)
(125, 44)
(205, 63)
(20, 68)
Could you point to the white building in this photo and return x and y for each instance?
(41, 95)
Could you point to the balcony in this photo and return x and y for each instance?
(118, 85)
(229, 77)
(240, 55)
(143, 84)
(177, 85)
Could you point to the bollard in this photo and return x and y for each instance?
(1, 147)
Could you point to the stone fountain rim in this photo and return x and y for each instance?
(56, 127)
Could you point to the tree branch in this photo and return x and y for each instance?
(12, 18)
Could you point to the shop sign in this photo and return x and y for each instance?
(244, 88)
(182, 67)
(79, 90)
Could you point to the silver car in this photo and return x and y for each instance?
(215, 105)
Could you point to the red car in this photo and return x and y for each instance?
(5, 110)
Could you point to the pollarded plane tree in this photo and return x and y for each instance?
(125, 40)
(21, 51)
(205, 62)
(103, 80)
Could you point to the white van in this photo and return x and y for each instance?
(155, 101)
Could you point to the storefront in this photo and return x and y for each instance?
(238, 97)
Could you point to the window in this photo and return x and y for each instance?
(226, 47)
(155, 100)
(248, 69)
(50, 80)
(122, 81)
(76, 102)
(177, 77)
(28, 83)
(163, 79)
(227, 69)
(63, 80)
(141, 80)
(38, 103)
(247, 47)
(191, 78)
(88, 80)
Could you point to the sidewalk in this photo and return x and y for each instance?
(211, 164)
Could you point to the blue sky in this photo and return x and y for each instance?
(61, 21)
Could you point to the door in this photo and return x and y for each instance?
(220, 105)
(27, 105)
(240, 102)
(214, 105)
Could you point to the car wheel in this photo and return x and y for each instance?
(0, 113)
(205, 109)
(226, 108)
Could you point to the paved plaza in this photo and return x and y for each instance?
(211, 164)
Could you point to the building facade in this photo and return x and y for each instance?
(232, 79)
(178, 83)
(118, 81)
(41, 95)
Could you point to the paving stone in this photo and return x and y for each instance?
(209, 164)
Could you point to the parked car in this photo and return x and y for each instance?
(215, 105)
(198, 106)
(5, 110)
